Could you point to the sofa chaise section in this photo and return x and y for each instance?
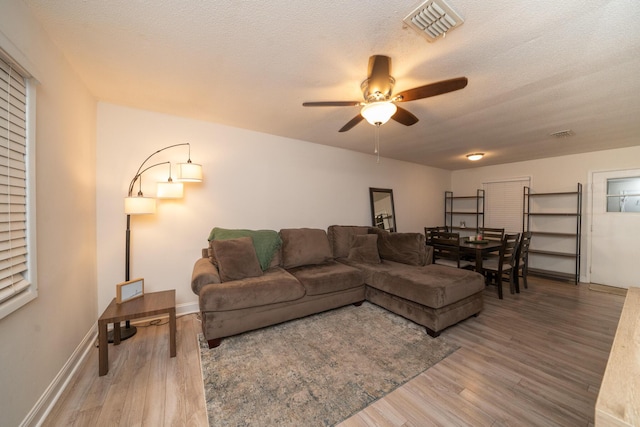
(404, 281)
(433, 296)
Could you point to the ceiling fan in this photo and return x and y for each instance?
(379, 105)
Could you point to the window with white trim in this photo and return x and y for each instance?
(503, 206)
(16, 269)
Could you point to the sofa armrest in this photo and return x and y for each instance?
(204, 273)
(429, 255)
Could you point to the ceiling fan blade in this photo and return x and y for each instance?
(331, 104)
(432, 89)
(379, 74)
(357, 119)
(405, 117)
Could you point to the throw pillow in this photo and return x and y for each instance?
(406, 248)
(266, 242)
(236, 259)
(304, 246)
(340, 238)
(364, 248)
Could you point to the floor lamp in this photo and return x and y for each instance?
(141, 205)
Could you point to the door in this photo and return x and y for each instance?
(615, 230)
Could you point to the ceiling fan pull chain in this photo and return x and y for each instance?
(376, 148)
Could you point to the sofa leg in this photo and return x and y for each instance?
(214, 343)
(358, 304)
(432, 333)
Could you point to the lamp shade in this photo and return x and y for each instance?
(189, 172)
(378, 112)
(139, 205)
(170, 190)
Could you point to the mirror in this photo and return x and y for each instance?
(382, 209)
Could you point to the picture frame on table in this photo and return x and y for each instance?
(131, 289)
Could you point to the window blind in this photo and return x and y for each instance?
(13, 183)
(503, 204)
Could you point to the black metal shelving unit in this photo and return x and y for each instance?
(533, 220)
(467, 212)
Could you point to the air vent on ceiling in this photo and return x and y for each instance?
(433, 18)
(563, 133)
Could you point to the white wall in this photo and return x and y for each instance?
(39, 338)
(552, 175)
(252, 180)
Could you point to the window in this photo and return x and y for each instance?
(623, 194)
(17, 266)
(503, 204)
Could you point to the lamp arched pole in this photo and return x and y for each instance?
(136, 177)
(127, 262)
(130, 331)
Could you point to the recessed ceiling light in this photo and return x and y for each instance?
(475, 156)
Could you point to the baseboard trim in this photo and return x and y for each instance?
(607, 289)
(188, 308)
(45, 404)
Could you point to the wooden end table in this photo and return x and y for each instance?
(151, 304)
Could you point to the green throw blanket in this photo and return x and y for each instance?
(265, 242)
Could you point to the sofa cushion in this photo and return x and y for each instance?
(340, 238)
(328, 277)
(364, 248)
(274, 286)
(236, 259)
(406, 248)
(304, 246)
(266, 242)
(431, 285)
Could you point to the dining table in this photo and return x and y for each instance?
(479, 249)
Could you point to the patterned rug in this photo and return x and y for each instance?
(315, 371)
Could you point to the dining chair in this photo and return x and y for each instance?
(429, 230)
(495, 234)
(446, 250)
(522, 260)
(492, 234)
(503, 267)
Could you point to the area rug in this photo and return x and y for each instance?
(315, 371)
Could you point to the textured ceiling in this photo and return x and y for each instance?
(534, 68)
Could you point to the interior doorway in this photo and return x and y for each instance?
(615, 228)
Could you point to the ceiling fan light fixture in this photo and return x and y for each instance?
(378, 113)
(379, 105)
(475, 156)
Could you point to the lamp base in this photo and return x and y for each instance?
(125, 333)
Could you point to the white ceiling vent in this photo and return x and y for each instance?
(433, 18)
(563, 133)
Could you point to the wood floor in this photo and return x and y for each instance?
(534, 359)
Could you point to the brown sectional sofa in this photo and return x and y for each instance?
(314, 271)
